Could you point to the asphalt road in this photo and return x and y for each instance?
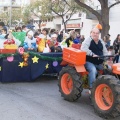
(41, 100)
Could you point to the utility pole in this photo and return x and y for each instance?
(10, 22)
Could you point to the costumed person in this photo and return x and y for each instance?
(3, 33)
(43, 38)
(30, 42)
(2, 38)
(11, 40)
(54, 44)
(69, 40)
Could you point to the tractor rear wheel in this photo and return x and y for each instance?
(70, 84)
(106, 96)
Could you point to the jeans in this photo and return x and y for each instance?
(92, 69)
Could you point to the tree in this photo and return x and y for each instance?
(103, 16)
(4, 17)
(15, 16)
(47, 9)
(26, 14)
(64, 8)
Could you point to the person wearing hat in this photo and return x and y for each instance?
(30, 42)
(54, 44)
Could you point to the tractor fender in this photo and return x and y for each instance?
(80, 68)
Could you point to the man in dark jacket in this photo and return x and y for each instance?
(94, 47)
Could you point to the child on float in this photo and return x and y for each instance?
(44, 37)
(30, 42)
(54, 44)
(2, 38)
(9, 40)
(3, 33)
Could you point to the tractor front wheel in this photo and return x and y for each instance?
(70, 84)
(106, 96)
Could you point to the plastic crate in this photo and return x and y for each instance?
(74, 56)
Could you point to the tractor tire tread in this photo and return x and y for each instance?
(77, 89)
(113, 82)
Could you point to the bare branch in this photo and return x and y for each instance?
(67, 11)
(56, 12)
(70, 14)
(114, 4)
(66, 2)
(89, 9)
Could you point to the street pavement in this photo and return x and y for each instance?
(41, 100)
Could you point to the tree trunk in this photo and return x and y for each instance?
(64, 23)
(105, 29)
(39, 24)
(104, 21)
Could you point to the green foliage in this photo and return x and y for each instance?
(16, 15)
(42, 57)
(26, 13)
(44, 9)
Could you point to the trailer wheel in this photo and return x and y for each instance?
(70, 84)
(106, 96)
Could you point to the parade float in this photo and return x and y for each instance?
(16, 65)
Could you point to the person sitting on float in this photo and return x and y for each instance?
(54, 44)
(43, 38)
(30, 42)
(3, 33)
(69, 40)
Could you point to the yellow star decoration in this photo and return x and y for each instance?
(47, 66)
(0, 68)
(20, 64)
(35, 59)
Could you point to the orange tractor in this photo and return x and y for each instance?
(105, 94)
